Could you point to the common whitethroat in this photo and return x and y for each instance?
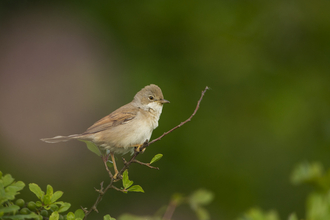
(126, 128)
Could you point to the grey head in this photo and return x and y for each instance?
(150, 94)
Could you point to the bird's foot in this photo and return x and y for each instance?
(117, 177)
(137, 148)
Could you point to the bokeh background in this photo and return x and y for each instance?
(66, 64)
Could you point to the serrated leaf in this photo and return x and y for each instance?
(12, 208)
(36, 190)
(79, 213)
(70, 216)
(126, 182)
(135, 188)
(7, 180)
(92, 147)
(54, 216)
(64, 207)
(56, 196)
(156, 158)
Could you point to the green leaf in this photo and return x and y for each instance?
(307, 172)
(79, 213)
(13, 189)
(12, 208)
(64, 207)
(202, 213)
(7, 180)
(318, 204)
(258, 214)
(23, 217)
(56, 196)
(126, 182)
(38, 204)
(3, 194)
(70, 216)
(200, 197)
(293, 216)
(50, 191)
(156, 158)
(19, 185)
(54, 216)
(108, 217)
(46, 200)
(36, 190)
(135, 188)
(92, 147)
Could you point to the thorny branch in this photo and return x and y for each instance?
(103, 190)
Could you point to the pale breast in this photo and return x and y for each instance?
(122, 138)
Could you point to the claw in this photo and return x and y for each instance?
(138, 148)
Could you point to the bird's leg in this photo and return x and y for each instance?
(105, 160)
(114, 165)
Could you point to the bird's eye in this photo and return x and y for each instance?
(151, 97)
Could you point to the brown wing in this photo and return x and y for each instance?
(121, 116)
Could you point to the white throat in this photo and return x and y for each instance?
(156, 109)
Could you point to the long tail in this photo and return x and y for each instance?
(61, 138)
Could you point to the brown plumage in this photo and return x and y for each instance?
(126, 127)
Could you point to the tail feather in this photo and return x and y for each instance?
(60, 138)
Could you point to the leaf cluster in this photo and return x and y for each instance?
(46, 207)
(317, 202)
(8, 191)
(197, 200)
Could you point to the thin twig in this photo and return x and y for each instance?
(102, 190)
(182, 123)
(120, 190)
(145, 164)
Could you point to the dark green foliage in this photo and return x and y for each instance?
(318, 201)
(46, 206)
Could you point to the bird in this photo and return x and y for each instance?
(126, 128)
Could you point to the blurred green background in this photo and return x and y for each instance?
(66, 64)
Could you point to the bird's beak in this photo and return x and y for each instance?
(164, 101)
